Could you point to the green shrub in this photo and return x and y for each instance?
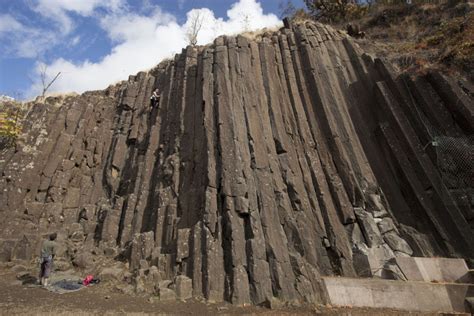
(10, 123)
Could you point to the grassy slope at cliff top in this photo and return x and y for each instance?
(423, 36)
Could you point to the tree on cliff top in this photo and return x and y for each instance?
(196, 20)
(43, 74)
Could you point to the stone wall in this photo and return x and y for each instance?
(267, 164)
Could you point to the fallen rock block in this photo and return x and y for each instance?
(184, 287)
(369, 227)
(83, 260)
(370, 262)
(397, 243)
(386, 225)
(112, 274)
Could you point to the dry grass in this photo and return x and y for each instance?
(258, 34)
(424, 36)
(62, 94)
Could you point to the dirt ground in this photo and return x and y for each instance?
(18, 299)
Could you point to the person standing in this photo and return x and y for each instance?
(48, 251)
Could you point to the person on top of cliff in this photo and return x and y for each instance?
(155, 98)
(48, 251)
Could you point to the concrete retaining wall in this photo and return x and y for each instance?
(410, 296)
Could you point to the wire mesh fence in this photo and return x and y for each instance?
(455, 160)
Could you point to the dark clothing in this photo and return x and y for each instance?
(46, 265)
(48, 250)
(154, 99)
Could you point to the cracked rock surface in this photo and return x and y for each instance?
(267, 164)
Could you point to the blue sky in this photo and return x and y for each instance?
(94, 43)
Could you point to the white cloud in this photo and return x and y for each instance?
(58, 10)
(8, 24)
(22, 41)
(142, 41)
(130, 26)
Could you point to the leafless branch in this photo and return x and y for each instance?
(246, 22)
(194, 28)
(43, 70)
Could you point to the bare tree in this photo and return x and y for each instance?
(43, 68)
(196, 21)
(246, 22)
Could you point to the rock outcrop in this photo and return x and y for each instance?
(267, 164)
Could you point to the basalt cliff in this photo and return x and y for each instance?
(267, 164)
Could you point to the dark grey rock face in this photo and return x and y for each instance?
(266, 165)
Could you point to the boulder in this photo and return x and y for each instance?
(355, 233)
(369, 227)
(370, 262)
(166, 294)
(141, 248)
(392, 271)
(397, 243)
(83, 260)
(184, 287)
(386, 225)
(112, 274)
(376, 206)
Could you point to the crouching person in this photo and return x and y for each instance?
(155, 98)
(48, 250)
